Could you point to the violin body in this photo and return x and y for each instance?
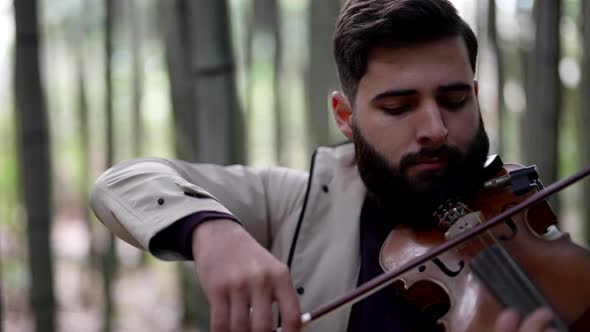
(465, 289)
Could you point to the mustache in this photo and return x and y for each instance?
(445, 153)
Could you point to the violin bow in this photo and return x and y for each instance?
(387, 278)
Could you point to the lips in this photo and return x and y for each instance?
(430, 164)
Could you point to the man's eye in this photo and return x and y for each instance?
(395, 110)
(454, 101)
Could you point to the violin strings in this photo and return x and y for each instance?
(507, 281)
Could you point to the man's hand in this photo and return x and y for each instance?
(242, 279)
(537, 321)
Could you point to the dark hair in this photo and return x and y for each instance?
(366, 24)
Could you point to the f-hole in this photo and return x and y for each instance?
(446, 270)
(510, 223)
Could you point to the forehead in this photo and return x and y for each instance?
(419, 67)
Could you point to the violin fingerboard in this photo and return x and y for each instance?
(506, 280)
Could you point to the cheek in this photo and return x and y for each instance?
(390, 137)
(463, 128)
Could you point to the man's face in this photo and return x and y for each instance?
(416, 123)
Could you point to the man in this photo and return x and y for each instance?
(260, 236)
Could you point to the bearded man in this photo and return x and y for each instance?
(274, 236)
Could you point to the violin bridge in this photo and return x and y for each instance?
(451, 217)
(464, 223)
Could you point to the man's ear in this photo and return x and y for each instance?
(476, 87)
(342, 111)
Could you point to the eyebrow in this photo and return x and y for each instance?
(458, 86)
(394, 93)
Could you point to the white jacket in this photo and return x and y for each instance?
(310, 223)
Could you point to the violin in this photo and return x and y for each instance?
(524, 262)
(498, 249)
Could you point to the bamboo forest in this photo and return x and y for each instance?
(87, 84)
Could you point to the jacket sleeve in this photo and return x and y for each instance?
(137, 199)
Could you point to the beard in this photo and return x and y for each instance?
(415, 199)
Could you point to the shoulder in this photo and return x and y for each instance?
(342, 155)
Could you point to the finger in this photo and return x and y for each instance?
(239, 310)
(261, 316)
(537, 321)
(288, 303)
(507, 321)
(219, 312)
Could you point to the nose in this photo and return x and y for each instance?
(431, 128)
